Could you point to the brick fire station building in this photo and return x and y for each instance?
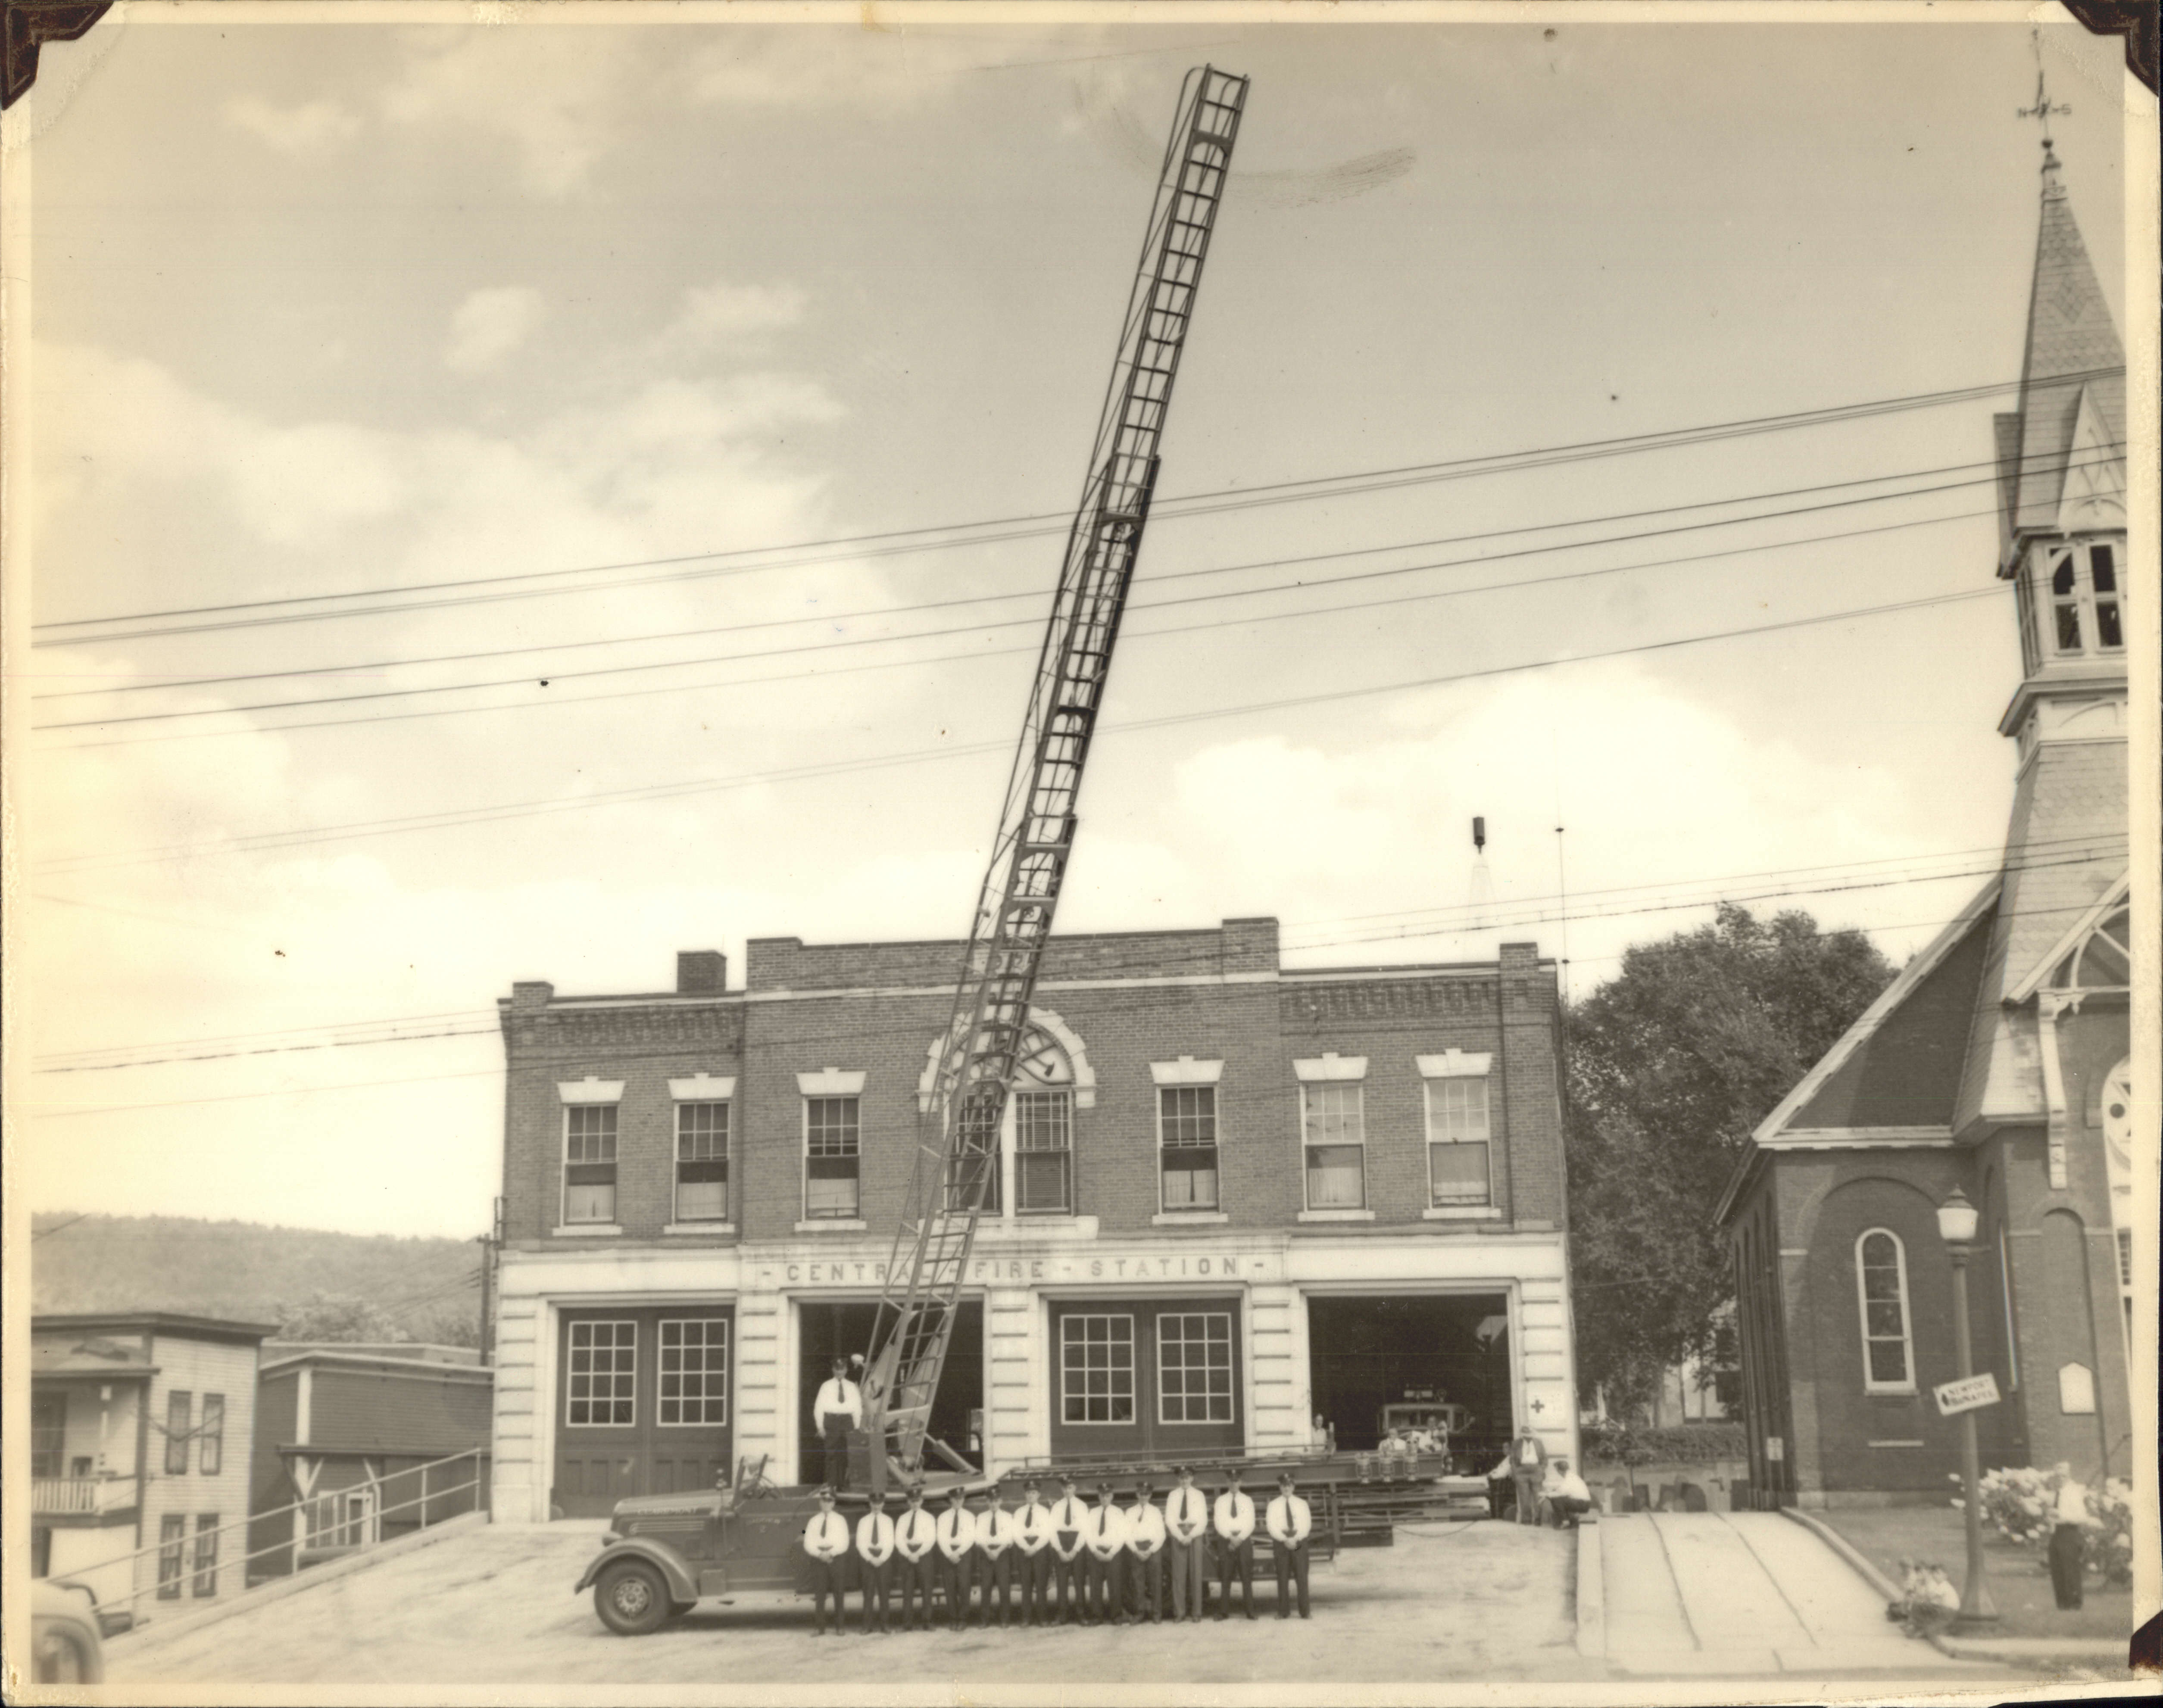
(1232, 1197)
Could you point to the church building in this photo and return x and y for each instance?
(1999, 1061)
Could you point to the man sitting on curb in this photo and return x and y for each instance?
(1564, 1496)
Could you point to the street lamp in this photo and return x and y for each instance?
(1957, 1223)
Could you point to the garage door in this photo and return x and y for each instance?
(1146, 1379)
(642, 1404)
(1366, 1353)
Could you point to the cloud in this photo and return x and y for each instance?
(714, 315)
(293, 130)
(490, 324)
(559, 97)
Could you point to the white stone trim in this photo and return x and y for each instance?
(1084, 1087)
(833, 1225)
(580, 1230)
(1327, 1066)
(589, 1090)
(833, 1082)
(1337, 1215)
(704, 1088)
(1186, 1071)
(1456, 1064)
(1462, 1213)
(699, 1228)
(1187, 1218)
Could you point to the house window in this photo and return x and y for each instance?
(1043, 1152)
(1457, 1136)
(1880, 1265)
(180, 1415)
(48, 1432)
(1194, 1368)
(172, 1546)
(694, 1370)
(589, 1162)
(206, 1578)
(831, 1157)
(210, 1457)
(1336, 1134)
(702, 1161)
(603, 1368)
(1096, 1368)
(1186, 1136)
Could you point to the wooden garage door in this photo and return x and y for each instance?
(642, 1404)
(1146, 1378)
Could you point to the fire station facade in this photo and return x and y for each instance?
(1231, 1198)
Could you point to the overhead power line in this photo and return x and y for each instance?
(460, 817)
(67, 632)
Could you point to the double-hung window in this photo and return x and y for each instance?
(210, 1456)
(833, 1146)
(2083, 600)
(590, 1135)
(1186, 1134)
(1881, 1276)
(1459, 1132)
(1333, 1130)
(180, 1426)
(172, 1550)
(206, 1565)
(1043, 1152)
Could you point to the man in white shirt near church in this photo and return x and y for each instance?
(826, 1540)
(1145, 1539)
(957, 1549)
(874, 1551)
(1070, 1520)
(1234, 1521)
(916, 1540)
(1106, 1539)
(1033, 1556)
(1290, 1522)
(838, 1408)
(1186, 1523)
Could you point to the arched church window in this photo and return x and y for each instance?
(2084, 597)
(1881, 1268)
(2104, 960)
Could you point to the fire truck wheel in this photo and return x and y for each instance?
(632, 1599)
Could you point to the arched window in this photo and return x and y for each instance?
(1881, 1273)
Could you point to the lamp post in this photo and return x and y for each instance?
(1957, 1222)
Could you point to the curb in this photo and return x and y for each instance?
(277, 1588)
(1591, 1593)
(1876, 1579)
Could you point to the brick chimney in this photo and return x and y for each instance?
(701, 973)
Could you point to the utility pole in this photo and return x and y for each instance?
(491, 1243)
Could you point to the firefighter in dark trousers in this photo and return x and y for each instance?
(957, 1553)
(916, 1542)
(1235, 1525)
(1106, 1539)
(1290, 1522)
(995, 1559)
(874, 1559)
(1032, 1551)
(1528, 1469)
(1146, 1539)
(838, 1409)
(1069, 1519)
(1186, 1524)
(826, 1540)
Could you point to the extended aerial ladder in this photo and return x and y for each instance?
(957, 1152)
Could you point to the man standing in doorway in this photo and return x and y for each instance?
(1186, 1522)
(1235, 1536)
(838, 1409)
(1290, 1522)
(1528, 1465)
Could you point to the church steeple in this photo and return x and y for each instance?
(2061, 486)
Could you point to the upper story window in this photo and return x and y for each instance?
(1881, 1272)
(180, 1424)
(2078, 603)
(1186, 1134)
(1459, 1131)
(702, 1148)
(1043, 1152)
(589, 1139)
(47, 1432)
(1333, 1130)
(210, 1455)
(833, 1145)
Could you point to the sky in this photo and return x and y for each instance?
(514, 501)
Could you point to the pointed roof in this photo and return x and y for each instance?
(2073, 348)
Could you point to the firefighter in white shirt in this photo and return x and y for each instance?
(826, 1540)
(957, 1551)
(1186, 1524)
(1234, 1523)
(1106, 1539)
(1032, 1556)
(874, 1556)
(1146, 1539)
(838, 1409)
(916, 1541)
(1290, 1522)
(1070, 1518)
(995, 1559)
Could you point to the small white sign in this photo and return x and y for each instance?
(1970, 1393)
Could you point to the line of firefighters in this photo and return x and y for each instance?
(1059, 1564)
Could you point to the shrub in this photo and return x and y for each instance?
(1612, 1443)
(2022, 1502)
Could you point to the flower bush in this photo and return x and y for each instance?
(2022, 1502)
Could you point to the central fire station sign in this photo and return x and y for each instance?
(1970, 1393)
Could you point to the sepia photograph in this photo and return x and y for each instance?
(654, 1051)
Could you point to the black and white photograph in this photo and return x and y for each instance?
(1072, 851)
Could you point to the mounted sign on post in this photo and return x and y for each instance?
(1970, 1393)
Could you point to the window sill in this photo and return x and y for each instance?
(699, 1228)
(587, 1230)
(1462, 1213)
(833, 1225)
(1187, 1218)
(1890, 1391)
(1337, 1215)
(1037, 1225)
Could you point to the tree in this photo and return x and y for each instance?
(337, 1317)
(1670, 1065)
